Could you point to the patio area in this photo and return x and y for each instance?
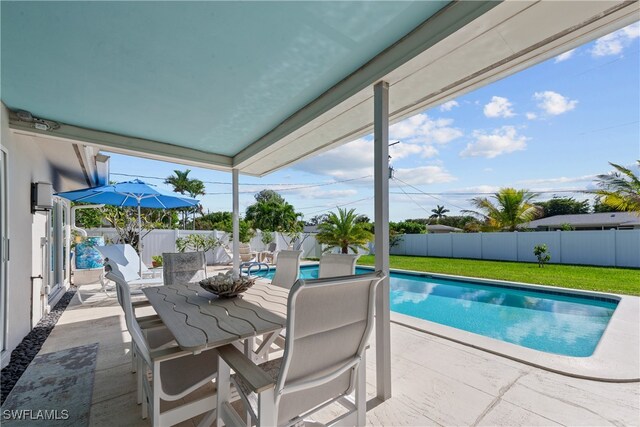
(435, 381)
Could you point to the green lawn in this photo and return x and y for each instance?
(603, 279)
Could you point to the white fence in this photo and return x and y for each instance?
(158, 241)
(620, 248)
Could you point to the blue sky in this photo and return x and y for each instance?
(550, 128)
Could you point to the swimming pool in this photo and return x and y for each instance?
(554, 322)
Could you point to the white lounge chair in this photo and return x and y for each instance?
(287, 268)
(184, 267)
(335, 265)
(329, 322)
(129, 266)
(174, 373)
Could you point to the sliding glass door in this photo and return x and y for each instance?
(4, 248)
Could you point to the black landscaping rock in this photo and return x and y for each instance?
(30, 346)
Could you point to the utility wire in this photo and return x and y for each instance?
(412, 199)
(336, 206)
(427, 194)
(255, 184)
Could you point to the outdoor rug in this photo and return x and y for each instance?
(55, 390)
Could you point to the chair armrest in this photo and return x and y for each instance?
(168, 353)
(257, 380)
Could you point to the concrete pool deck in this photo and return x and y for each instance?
(435, 381)
(615, 359)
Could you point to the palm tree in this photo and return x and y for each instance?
(342, 231)
(180, 183)
(438, 213)
(512, 207)
(620, 190)
(195, 188)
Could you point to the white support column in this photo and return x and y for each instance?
(381, 181)
(236, 221)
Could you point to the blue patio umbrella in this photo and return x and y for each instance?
(134, 193)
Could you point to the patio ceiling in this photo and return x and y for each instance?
(257, 86)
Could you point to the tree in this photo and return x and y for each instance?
(599, 207)
(315, 220)
(407, 227)
(341, 230)
(620, 189)
(180, 182)
(438, 213)
(215, 221)
(563, 206)
(195, 188)
(271, 212)
(511, 208)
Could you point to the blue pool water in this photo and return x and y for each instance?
(551, 322)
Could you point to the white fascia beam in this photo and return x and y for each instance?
(126, 145)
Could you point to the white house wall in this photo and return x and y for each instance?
(27, 163)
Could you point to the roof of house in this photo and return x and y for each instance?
(440, 227)
(605, 219)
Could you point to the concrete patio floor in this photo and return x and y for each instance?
(435, 381)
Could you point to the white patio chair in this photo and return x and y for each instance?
(287, 268)
(246, 254)
(183, 267)
(174, 373)
(335, 265)
(269, 256)
(329, 322)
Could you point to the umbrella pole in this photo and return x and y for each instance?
(139, 241)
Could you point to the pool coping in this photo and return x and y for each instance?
(615, 359)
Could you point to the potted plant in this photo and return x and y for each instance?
(156, 261)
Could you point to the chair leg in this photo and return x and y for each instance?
(155, 420)
(140, 380)
(79, 294)
(223, 380)
(361, 392)
(267, 414)
(134, 358)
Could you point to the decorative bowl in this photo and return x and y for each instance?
(225, 286)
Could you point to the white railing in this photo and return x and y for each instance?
(619, 248)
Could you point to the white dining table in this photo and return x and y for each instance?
(200, 320)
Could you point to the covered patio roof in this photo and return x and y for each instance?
(256, 86)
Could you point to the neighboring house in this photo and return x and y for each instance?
(34, 246)
(595, 221)
(438, 228)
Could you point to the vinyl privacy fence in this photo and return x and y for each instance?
(619, 248)
(160, 241)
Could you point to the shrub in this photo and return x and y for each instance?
(540, 251)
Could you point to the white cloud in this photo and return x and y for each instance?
(531, 116)
(501, 141)
(553, 103)
(498, 107)
(447, 106)
(351, 160)
(424, 175)
(402, 150)
(421, 129)
(559, 180)
(614, 43)
(564, 56)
